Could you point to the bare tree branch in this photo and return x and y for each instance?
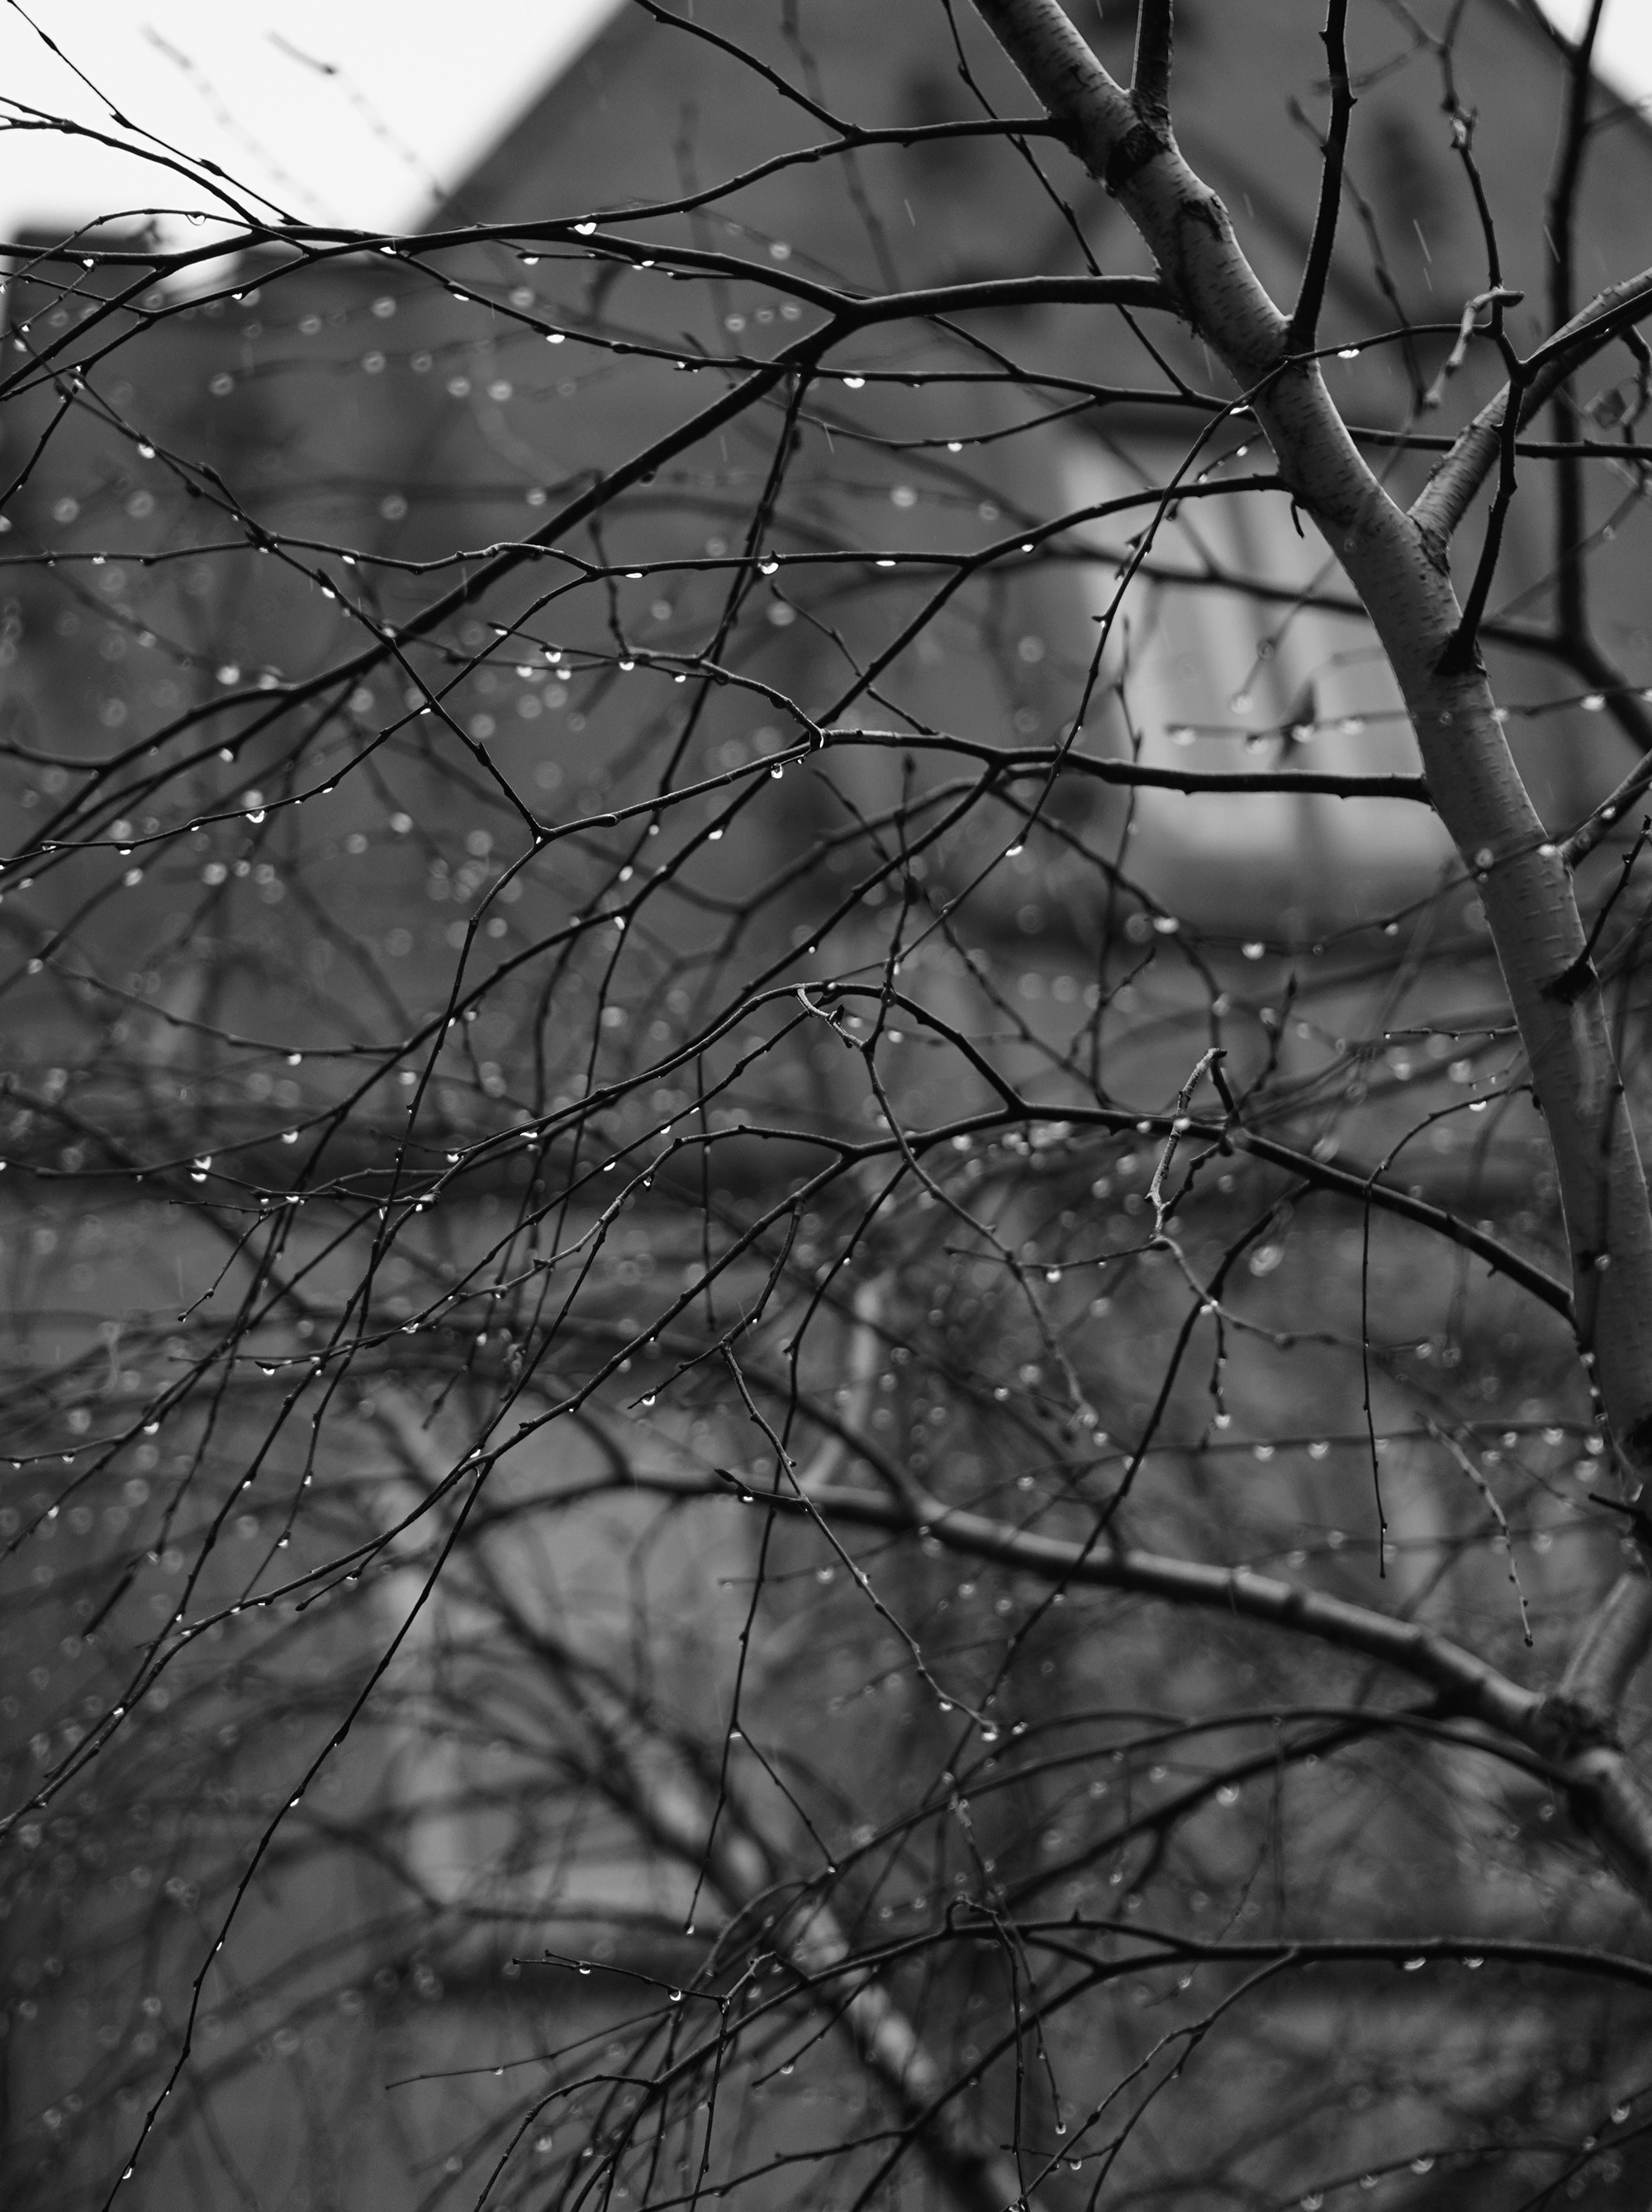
(1525, 886)
(1610, 1803)
(1304, 320)
(1442, 504)
(716, 1841)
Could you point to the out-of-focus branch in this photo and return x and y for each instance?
(1560, 236)
(862, 1370)
(720, 1841)
(1609, 1801)
(1612, 1645)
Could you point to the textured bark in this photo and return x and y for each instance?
(1472, 457)
(1396, 564)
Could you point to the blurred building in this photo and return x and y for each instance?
(260, 477)
(253, 477)
(372, 411)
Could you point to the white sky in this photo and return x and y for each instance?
(420, 89)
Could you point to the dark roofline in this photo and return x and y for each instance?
(624, 30)
(620, 31)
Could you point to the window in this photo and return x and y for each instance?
(1208, 678)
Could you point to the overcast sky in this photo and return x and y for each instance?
(350, 111)
(342, 111)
